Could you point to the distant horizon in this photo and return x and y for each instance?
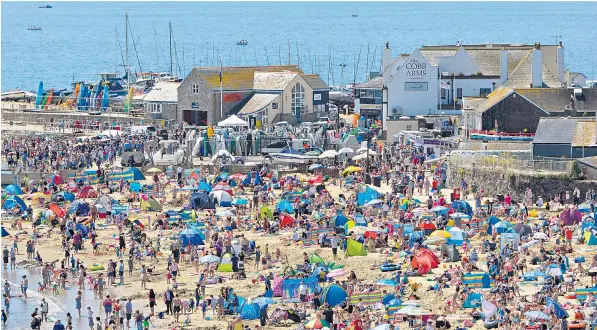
(74, 44)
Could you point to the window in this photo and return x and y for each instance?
(443, 90)
(484, 91)
(459, 93)
(155, 108)
(409, 127)
(298, 99)
(317, 97)
(195, 88)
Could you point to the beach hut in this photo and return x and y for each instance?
(190, 237)
(286, 221)
(333, 295)
(12, 189)
(150, 204)
(222, 198)
(14, 201)
(87, 192)
(355, 248)
(589, 238)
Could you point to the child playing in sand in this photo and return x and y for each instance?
(40, 287)
(55, 290)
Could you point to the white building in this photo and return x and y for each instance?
(435, 79)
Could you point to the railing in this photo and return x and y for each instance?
(506, 161)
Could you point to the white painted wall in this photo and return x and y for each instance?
(461, 62)
(537, 68)
(416, 69)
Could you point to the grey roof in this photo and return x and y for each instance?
(555, 130)
(471, 103)
(521, 77)
(432, 55)
(558, 99)
(375, 83)
(163, 92)
(315, 81)
(276, 81)
(257, 103)
(493, 98)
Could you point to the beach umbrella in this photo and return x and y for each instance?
(351, 169)
(439, 209)
(154, 170)
(209, 259)
(262, 301)
(373, 202)
(387, 282)
(238, 176)
(540, 236)
(328, 154)
(440, 234)
(4, 232)
(522, 229)
(317, 324)
(459, 215)
(336, 273)
(419, 210)
(315, 166)
(502, 227)
(536, 315)
(530, 243)
(345, 151)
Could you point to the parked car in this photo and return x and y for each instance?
(134, 158)
(275, 147)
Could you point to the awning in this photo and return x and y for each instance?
(257, 103)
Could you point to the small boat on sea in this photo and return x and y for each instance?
(34, 28)
(242, 43)
(45, 6)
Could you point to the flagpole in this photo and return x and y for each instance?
(221, 95)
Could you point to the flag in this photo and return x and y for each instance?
(220, 72)
(488, 308)
(128, 103)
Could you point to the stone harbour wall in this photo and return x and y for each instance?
(499, 182)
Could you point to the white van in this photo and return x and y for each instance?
(143, 130)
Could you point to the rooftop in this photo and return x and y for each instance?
(275, 81)
(163, 92)
(315, 81)
(566, 131)
(238, 77)
(257, 103)
(375, 83)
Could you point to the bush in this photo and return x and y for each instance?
(575, 170)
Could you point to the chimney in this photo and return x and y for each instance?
(560, 64)
(387, 58)
(386, 70)
(567, 78)
(503, 66)
(537, 66)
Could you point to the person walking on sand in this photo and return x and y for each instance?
(78, 299)
(90, 317)
(176, 307)
(44, 310)
(24, 285)
(128, 312)
(143, 277)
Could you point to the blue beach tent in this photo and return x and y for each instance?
(334, 295)
(4, 232)
(204, 186)
(367, 195)
(14, 201)
(190, 236)
(462, 206)
(80, 208)
(137, 175)
(457, 236)
(63, 196)
(285, 206)
(556, 308)
(12, 189)
(340, 219)
(81, 227)
(473, 300)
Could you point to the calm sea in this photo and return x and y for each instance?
(78, 39)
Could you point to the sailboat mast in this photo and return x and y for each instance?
(170, 28)
(126, 30)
